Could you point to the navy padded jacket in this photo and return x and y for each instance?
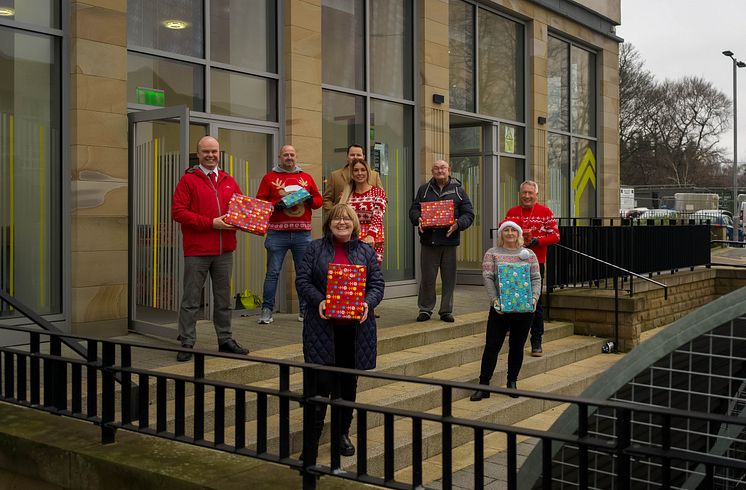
(310, 281)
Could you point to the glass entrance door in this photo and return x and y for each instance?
(159, 153)
(247, 154)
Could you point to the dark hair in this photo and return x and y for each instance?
(355, 145)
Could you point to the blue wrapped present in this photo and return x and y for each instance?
(514, 287)
(296, 197)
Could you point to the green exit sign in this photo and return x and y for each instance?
(150, 96)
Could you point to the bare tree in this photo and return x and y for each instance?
(669, 131)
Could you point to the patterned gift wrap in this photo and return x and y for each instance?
(249, 214)
(296, 197)
(514, 285)
(437, 214)
(345, 291)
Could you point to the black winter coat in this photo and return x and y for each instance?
(463, 211)
(310, 281)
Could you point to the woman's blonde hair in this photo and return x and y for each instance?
(339, 210)
(501, 242)
(350, 184)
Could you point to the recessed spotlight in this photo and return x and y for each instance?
(7, 12)
(175, 24)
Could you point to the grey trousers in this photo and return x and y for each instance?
(433, 258)
(196, 269)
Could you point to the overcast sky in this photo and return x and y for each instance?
(677, 38)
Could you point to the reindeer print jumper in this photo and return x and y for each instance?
(276, 185)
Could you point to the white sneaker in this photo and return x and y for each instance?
(300, 317)
(266, 317)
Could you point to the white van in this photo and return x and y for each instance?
(741, 215)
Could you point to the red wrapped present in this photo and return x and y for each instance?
(345, 291)
(437, 214)
(249, 214)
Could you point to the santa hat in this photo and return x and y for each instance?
(512, 224)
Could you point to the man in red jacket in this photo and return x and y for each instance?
(539, 231)
(289, 227)
(199, 204)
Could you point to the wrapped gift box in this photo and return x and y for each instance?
(249, 214)
(514, 286)
(345, 291)
(296, 197)
(437, 214)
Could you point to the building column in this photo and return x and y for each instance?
(98, 167)
(302, 100)
(434, 72)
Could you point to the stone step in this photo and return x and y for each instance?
(443, 360)
(499, 409)
(415, 396)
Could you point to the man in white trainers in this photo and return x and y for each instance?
(289, 228)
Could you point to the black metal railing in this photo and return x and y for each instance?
(618, 275)
(174, 406)
(81, 387)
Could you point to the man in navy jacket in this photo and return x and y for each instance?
(439, 245)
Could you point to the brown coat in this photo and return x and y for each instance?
(336, 182)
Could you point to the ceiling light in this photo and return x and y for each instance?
(175, 24)
(7, 11)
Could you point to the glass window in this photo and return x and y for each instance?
(511, 176)
(180, 82)
(391, 48)
(558, 85)
(343, 43)
(468, 169)
(235, 94)
(583, 177)
(582, 84)
(343, 124)
(466, 140)
(44, 13)
(175, 26)
(558, 152)
(461, 55)
(511, 139)
(244, 33)
(500, 67)
(30, 171)
(392, 155)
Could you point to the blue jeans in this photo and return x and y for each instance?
(277, 244)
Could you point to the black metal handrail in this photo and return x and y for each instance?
(56, 346)
(617, 272)
(24, 375)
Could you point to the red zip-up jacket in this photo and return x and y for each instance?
(195, 204)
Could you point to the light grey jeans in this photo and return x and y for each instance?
(196, 269)
(433, 258)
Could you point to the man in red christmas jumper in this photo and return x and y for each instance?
(289, 228)
(539, 231)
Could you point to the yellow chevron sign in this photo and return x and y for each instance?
(586, 172)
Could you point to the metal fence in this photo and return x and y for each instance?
(643, 249)
(175, 406)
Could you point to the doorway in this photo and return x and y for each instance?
(159, 147)
(488, 158)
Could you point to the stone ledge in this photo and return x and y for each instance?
(59, 452)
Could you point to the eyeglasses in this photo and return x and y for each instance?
(342, 218)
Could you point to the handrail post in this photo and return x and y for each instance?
(108, 357)
(616, 310)
(310, 440)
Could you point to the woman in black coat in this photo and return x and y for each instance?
(342, 343)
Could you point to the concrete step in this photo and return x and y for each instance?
(443, 360)
(568, 380)
(414, 396)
